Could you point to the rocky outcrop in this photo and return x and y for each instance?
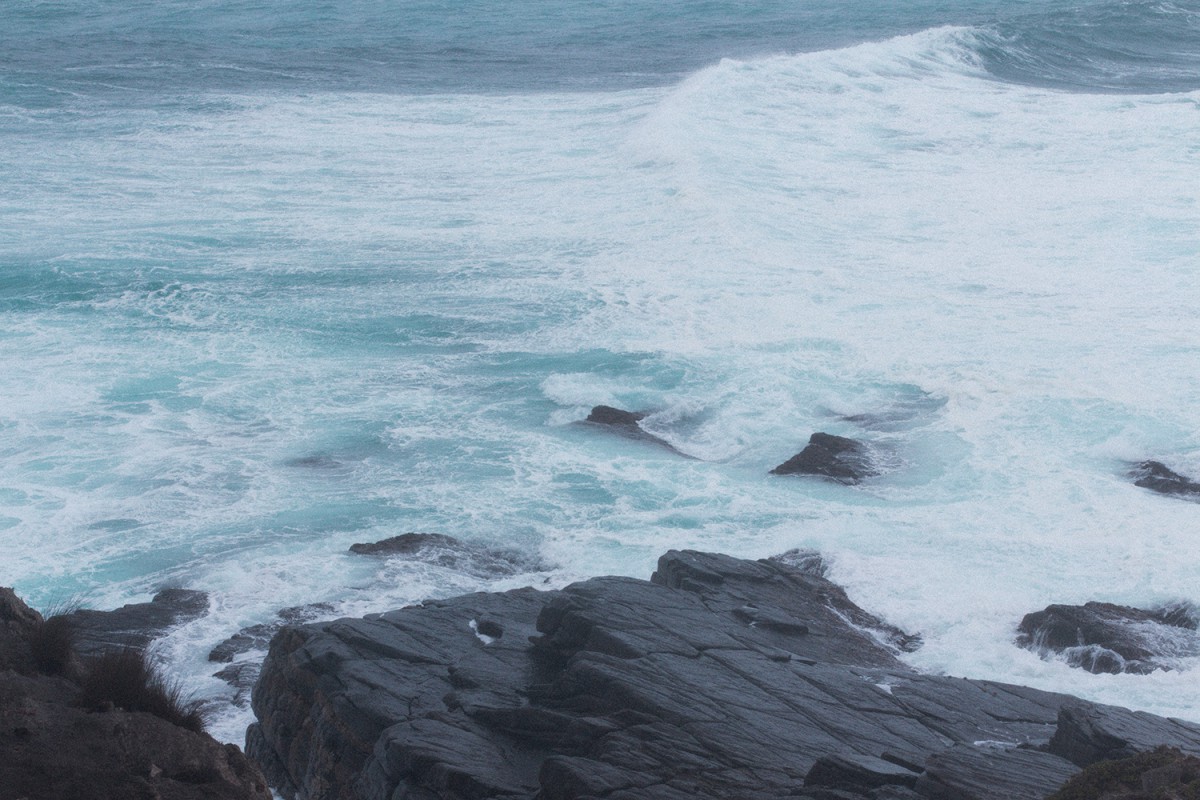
(628, 424)
(718, 678)
(136, 625)
(18, 622)
(1108, 638)
(1157, 477)
(55, 749)
(843, 460)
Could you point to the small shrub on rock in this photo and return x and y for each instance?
(1164, 773)
(125, 679)
(52, 642)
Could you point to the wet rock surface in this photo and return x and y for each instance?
(258, 637)
(628, 424)
(254, 639)
(1157, 477)
(53, 749)
(1108, 638)
(717, 678)
(451, 553)
(836, 457)
(136, 625)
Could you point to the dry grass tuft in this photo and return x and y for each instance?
(125, 679)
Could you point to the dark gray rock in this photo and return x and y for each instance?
(407, 544)
(136, 625)
(607, 415)
(1087, 733)
(719, 678)
(628, 424)
(258, 637)
(971, 772)
(253, 637)
(796, 581)
(1157, 477)
(858, 773)
(836, 457)
(446, 551)
(241, 676)
(1103, 637)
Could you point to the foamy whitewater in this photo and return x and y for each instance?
(281, 277)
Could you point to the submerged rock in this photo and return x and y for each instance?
(717, 678)
(1157, 477)
(844, 460)
(446, 551)
(1108, 638)
(627, 423)
(909, 407)
(136, 625)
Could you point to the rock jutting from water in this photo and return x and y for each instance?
(1108, 638)
(136, 625)
(446, 551)
(628, 424)
(718, 678)
(1158, 477)
(837, 457)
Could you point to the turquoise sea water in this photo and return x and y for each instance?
(280, 277)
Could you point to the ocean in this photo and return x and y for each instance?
(276, 278)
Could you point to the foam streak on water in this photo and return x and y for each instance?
(245, 330)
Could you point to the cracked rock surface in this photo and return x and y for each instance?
(718, 678)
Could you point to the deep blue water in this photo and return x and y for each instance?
(137, 52)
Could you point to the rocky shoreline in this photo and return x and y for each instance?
(717, 678)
